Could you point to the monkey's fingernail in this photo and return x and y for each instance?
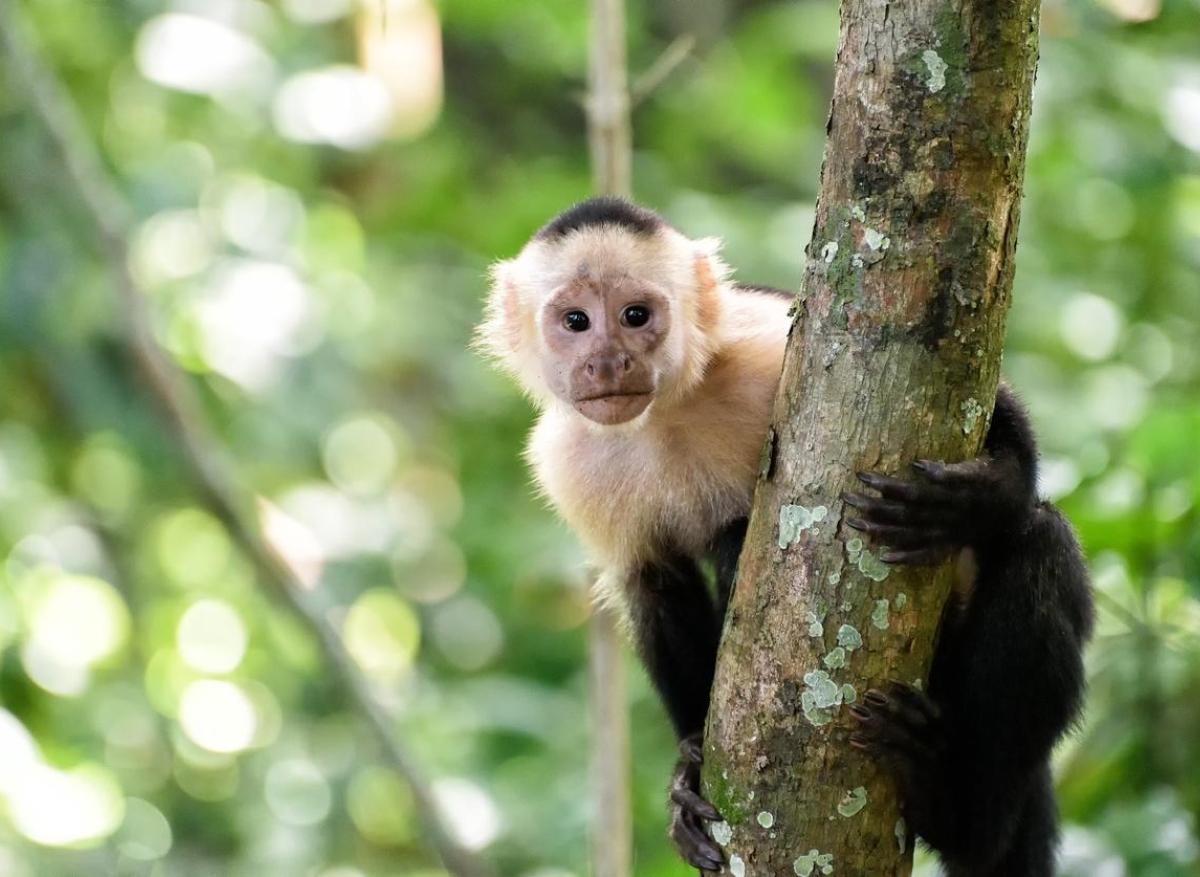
(859, 742)
(856, 523)
(921, 465)
(876, 697)
(861, 713)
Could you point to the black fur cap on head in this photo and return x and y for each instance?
(602, 211)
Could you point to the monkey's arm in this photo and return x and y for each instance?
(675, 632)
(971, 758)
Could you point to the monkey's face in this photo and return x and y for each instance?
(604, 345)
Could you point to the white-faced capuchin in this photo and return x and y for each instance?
(655, 375)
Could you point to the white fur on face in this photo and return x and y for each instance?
(511, 332)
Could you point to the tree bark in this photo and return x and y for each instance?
(894, 355)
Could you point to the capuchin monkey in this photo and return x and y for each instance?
(655, 375)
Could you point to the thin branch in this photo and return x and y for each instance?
(109, 214)
(610, 140)
(608, 100)
(664, 65)
(1132, 621)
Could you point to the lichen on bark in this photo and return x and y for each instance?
(896, 357)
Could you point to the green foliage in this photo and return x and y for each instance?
(318, 273)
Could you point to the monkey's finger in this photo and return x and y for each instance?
(952, 473)
(899, 536)
(881, 732)
(909, 715)
(887, 511)
(875, 697)
(918, 708)
(918, 556)
(862, 741)
(907, 491)
(693, 803)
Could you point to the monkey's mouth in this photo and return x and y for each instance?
(616, 407)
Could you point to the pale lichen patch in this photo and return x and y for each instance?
(937, 70)
(849, 638)
(836, 659)
(901, 832)
(853, 801)
(812, 862)
(722, 833)
(766, 819)
(816, 626)
(868, 564)
(972, 411)
(829, 251)
(737, 866)
(900, 601)
(795, 519)
(876, 240)
(820, 696)
(879, 615)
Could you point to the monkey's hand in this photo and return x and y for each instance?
(948, 507)
(904, 731)
(689, 811)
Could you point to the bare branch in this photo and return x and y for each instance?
(610, 138)
(664, 65)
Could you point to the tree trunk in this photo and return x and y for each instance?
(895, 355)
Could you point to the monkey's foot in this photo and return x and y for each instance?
(903, 730)
(949, 506)
(689, 811)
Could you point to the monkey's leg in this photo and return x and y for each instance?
(676, 631)
(1007, 679)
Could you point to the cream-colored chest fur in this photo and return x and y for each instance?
(673, 480)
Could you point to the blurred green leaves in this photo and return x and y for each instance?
(317, 258)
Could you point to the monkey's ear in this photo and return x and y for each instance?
(710, 272)
(503, 332)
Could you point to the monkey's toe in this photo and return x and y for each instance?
(691, 747)
(690, 812)
(690, 800)
(899, 725)
(692, 843)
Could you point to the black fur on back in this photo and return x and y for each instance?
(602, 211)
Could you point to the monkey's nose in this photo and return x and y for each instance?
(609, 366)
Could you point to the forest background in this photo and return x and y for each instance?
(316, 188)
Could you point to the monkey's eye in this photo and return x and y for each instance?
(576, 321)
(635, 316)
